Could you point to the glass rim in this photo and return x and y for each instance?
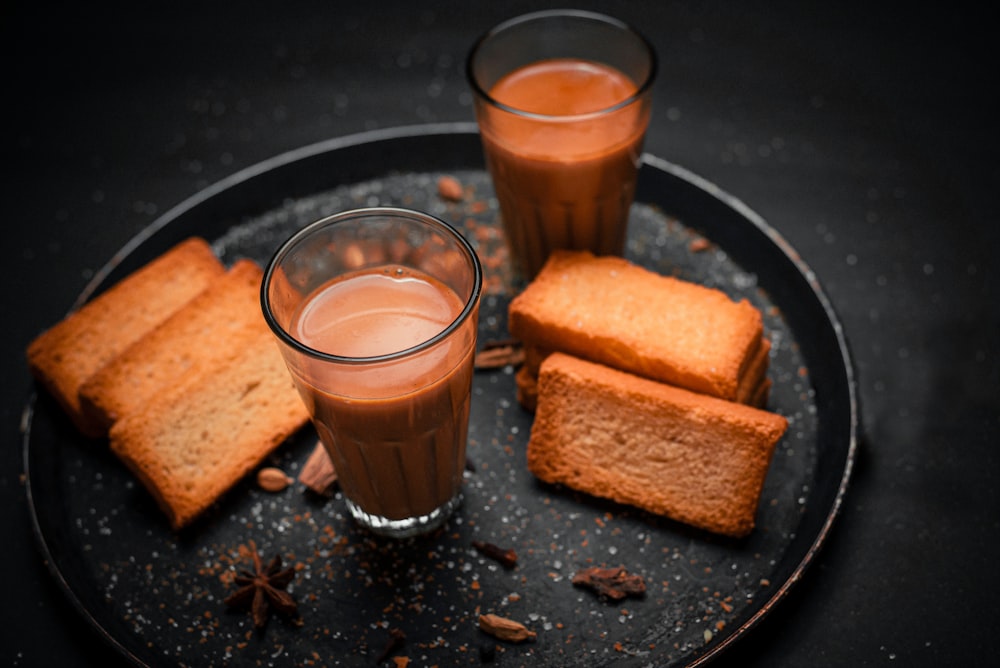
(377, 211)
(641, 90)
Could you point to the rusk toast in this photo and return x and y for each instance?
(205, 433)
(214, 325)
(67, 354)
(610, 311)
(690, 457)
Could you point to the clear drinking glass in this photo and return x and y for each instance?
(376, 314)
(562, 145)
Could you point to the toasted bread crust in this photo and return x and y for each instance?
(754, 373)
(753, 388)
(205, 433)
(214, 325)
(63, 357)
(610, 311)
(687, 456)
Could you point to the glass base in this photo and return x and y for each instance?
(411, 526)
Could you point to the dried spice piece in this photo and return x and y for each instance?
(700, 244)
(318, 473)
(272, 479)
(505, 629)
(612, 583)
(498, 354)
(396, 640)
(264, 589)
(450, 189)
(507, 557)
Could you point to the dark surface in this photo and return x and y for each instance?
(860, 133)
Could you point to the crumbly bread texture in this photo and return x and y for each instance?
(63, 357)
(608, 310)
(214, 325)
(205, 433)
(693, 458)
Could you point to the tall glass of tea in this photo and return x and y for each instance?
(376, 313)
(563, 100)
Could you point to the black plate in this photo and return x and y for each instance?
(156, 596)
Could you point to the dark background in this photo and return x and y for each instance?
(864, 132)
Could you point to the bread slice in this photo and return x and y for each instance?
(690, 457)
(212, 326)
(66, 355)
(610, 311)
(202, 435)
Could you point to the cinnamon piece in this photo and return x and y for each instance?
(505, 556)
(610, 583)
(497, 354)
(318, 473)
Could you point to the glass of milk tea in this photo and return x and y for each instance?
(376, 314)
(562, 100)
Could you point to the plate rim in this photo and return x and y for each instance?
(846, 357)
(451, 129)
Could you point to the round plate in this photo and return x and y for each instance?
(157, 595)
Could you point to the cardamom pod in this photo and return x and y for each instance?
(271, 479)
(505, 629)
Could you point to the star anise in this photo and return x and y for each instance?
(264, 589)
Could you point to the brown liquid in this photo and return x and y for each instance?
(395, 430)
(561, 182)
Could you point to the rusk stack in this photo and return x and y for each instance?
(177, 366)
(646, 390)
(216, 324)
(66, 355)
